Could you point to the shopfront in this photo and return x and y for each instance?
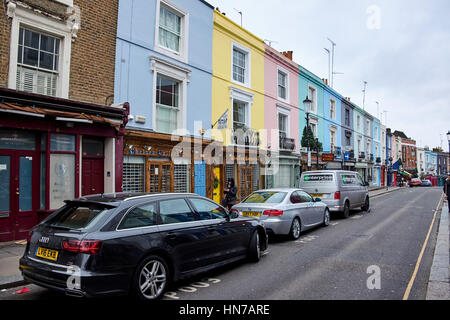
(49, 154)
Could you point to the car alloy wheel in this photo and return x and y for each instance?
(152, 279)
(326, 218)
(366, 205)
(346, 210)
(255, 248)
(295, 229)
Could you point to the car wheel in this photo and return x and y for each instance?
(346, 212)
(151, 278)
(294, 233)
(254, 250)
(326, 218)
(366, 205)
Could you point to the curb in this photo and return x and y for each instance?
(12, 281)
(438, 283)
(387, 191)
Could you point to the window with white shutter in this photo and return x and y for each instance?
(37, 62)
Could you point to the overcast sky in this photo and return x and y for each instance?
(401, 48)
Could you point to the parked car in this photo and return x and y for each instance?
(340, 190)
(136, 243)
(415, 182)
(284, 211)
(426, 183)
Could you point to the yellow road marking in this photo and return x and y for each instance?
(419, 260)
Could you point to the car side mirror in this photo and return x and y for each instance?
(366, 184)
(317, 200)
(233, 214)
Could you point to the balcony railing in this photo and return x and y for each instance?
(242, 135)
(286, 143)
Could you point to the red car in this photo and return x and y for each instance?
(415, 182)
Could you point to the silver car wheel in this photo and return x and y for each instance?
(152, 279)
(295, 229)
(326, 219)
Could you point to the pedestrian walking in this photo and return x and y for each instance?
(447, 190)
(230, 194)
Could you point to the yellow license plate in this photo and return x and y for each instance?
(317, 195)
(47, 253)
(251, 214)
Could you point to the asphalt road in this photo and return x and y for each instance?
(333, 262)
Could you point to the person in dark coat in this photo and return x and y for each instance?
(447, 190)
(230, 194)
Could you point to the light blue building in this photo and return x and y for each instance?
(164, 70)
(430, 162)
(376, 151)
(164, 63)
(332, 133)
(311, 86)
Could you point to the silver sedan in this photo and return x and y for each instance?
(284, 211)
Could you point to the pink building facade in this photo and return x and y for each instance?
(281, 76)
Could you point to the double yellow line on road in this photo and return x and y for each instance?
(419, 260)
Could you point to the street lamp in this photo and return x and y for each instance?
(448, 161)
(307, 107)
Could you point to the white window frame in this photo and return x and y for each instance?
(286, 73)
(333, 129)
(315, 122)
(183, 54)
(177, 73)
(358, 123)
(22, 17)
(68, 3)
(248, 64)
(314, 99)
(244, 97)
(333, 104)
(285, 112)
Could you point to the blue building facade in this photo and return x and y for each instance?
(164, 64)
(376, 151)
(332, 133)
(164, 70)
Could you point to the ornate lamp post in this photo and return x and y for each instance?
(307, 107)
(448, 160)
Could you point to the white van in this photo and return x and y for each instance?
(340, 190)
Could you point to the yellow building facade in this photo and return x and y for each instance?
(238, 75)
(238, 98)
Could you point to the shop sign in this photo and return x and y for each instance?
(328, 157)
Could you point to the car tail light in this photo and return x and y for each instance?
(273, 212)
(337, 195)
(90, 247)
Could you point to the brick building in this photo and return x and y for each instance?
(60, 137)
(408, 151)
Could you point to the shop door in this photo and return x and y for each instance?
(17, 170)
(160, 177)
(92, 176)
(246, 181)
(217, 184)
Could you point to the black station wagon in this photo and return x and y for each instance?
(136, 243)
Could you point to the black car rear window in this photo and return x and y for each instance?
(79, 216)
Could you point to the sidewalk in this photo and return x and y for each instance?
(377, 191)
(438, 284)
(10, 253)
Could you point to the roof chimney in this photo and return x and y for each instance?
(288, 54)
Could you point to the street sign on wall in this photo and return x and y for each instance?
(328, 157)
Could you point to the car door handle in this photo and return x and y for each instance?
(171, 235)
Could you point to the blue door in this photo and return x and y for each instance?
(200, 178)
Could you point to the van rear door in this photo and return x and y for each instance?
(319, 184)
